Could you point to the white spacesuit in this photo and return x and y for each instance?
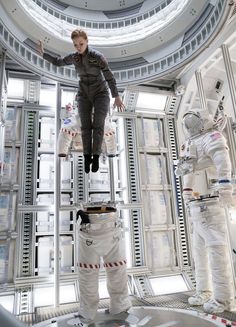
(206, 147)
(70, 137)
(101, 236)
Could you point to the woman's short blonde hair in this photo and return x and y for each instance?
(77, 33)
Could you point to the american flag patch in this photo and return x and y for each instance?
(215, 135)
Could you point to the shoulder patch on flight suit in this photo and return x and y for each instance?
(96, 58)
(76, 57)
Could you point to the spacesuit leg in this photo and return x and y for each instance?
(201, 261)
(63, 143)
(116, 271)
(222, 278)
(221, 270)
(85, 113)
(202, 273)
(89, 264)
(101, 108)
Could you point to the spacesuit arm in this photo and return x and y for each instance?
(218, 150)
(57, 61)
(109, 77)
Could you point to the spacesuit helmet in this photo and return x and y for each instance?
(196, 121)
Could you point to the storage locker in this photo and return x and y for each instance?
(4, 207)
(161, 245)
(45, 221)
(7, 210)
(10, 167)
(12, 121)
(47, 133)
(153, 168)
(7, 252)
(45, 255)
(102, 197)
(4, 256)
(48, 199)
(100, 179)
(157, 207)
(150, 132)
(46, 172)
(4, 210)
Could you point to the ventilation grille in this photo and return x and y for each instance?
(123, 12)
(57, 4)
(127, 63)
(181, 217)
(200, 22)
(25, 297)
(172, 105)
(29, 143)
(80, 178)
(137, 238)
(144, 286)
(28, 193)
(132, 160)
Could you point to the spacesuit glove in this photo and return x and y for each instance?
(187, 195)
(226, 198)
(225, 191)
(77, 142)
(84, 217)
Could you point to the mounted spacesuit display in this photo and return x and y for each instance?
(206, 147)
(101, 236)
(70, 135)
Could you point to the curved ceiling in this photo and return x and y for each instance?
(104, 5)
(151, 33)
(157, 39)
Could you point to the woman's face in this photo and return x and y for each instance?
(80, 44)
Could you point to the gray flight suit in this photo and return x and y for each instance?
(94, 74)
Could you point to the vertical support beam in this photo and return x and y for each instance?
(201, 93)
(2, 114)
(86, 186)
(230, 75)
(112, 179)
(57, 200)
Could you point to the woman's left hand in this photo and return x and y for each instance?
(119, 104)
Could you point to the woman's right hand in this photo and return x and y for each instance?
(40, 47)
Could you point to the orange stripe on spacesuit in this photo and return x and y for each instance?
(89, 265)
(64, 130)
(115, 264)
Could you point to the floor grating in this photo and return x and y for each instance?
(173, 301)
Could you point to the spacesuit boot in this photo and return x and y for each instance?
(95, 163)
(214, 306)
(80, 321)
(87, 162)
(199, 298)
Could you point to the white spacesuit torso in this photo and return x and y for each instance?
(206, 148)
